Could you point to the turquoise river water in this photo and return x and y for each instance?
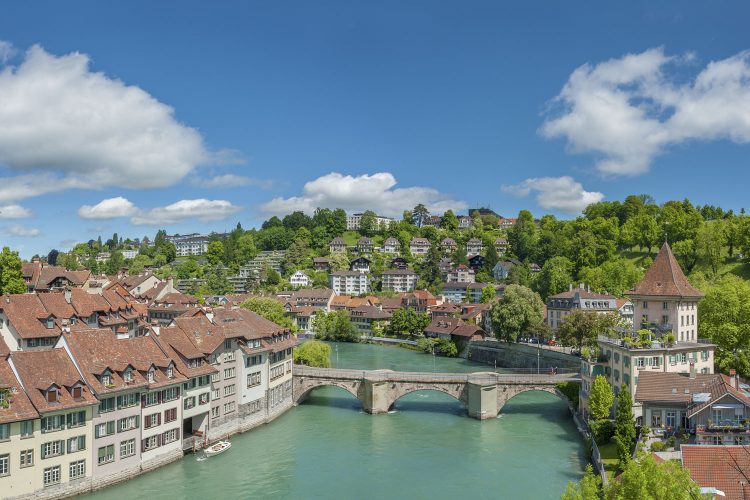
(427, 447)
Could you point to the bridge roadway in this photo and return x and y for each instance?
(483, 393)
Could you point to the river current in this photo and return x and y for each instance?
(427, 447)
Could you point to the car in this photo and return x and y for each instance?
(551, 342)
(534, 340)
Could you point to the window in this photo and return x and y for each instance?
(151, 442)
(76, 444)
(665, 320)
(228, 407)
(77, 392)
(170, 372)
(127, 400)
(215, 377)
(170, 436)
(53, 449)
(150, 375)
(171, 394)
(656, 361)
(27, 458)
(229, 390)
(27, 428)
(229, 373)
(106, 404)
(704, 355)
(52, 396)
(189, 403)
(106, 379)
(617, 375)
(204, 380)
(204, 398)
(77, 469)
(253, 379)
(127, 448)
(76, 419)
(217, 394)
(4, 432)
(655, 419)
(51, 475)
(682, 357)
(665, 305)
(128, 423)
(228, 344)
(170, 415)
(640, 362)
(617, 357)
(106, 454)
(54, 423)
(645, 304)
(151, 399)
(4, 465)
(626, 361)
(214, 412)
(152, 420)
(229, 356)
(104, 429)
(127, 376)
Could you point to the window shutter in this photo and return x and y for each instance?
(119, 401)
(143, 401)
(42, 453)
(137, 421)
(178, 434)
(158, 419)
(158, 440)
(111, 427)
(96, 432)
(69, 419)
(82, 417)
(82, 442)
(160, 396)
(143, 445)
(120, 424)
(62, 447)
(44, 423)
(70, 441)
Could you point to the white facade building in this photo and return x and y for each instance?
(349, 283)
(299, 279)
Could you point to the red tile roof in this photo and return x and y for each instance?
(719, 467)
(665, 278)
(20, 408)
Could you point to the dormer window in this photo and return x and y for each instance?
(50, 323)
(106, 379)
(52, 396)
(150, 375)
(127, 376)
(170, 372)
(77, 392)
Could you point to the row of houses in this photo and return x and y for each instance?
(96, 407)
(417, 246)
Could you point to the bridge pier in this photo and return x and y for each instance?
(375, 396)
(482, 400)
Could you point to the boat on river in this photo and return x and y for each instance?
(217, 448)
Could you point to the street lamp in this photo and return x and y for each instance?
(538, 354)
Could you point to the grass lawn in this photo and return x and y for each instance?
(609, 458)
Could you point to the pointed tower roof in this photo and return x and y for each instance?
(665, 278)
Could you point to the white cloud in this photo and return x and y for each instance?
(67, 126)
(201, 209)
(627, 111)
(374, 192)
(556, 193)
(14, 212)
(231, 181)
(108, 209)
(7, 50)
(19, 230)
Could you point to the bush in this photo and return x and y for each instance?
(658, 446)
(645, 431)
(602, 431)
(425, 345)
(671, 442)
(313, 353)
(570, 391)
(447, 348)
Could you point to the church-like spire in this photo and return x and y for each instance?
(665, 278)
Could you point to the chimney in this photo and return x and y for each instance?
(692, 370)
(733, 377)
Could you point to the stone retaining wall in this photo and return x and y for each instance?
(520, 356)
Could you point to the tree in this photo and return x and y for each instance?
(11, 275)
(419, 215)
(407, 323)
(556, 276)
(709, 244)
(624, 427)
(488, 294)
(686, 254)
(115, 262)
(449, 222)
(52, 257)
(723, 318)
(138, 264)
(587, 489)
(523, 237)
(246, 250)
(600, 398)
(338, 261)
(217, 282)
(580, 328)
(520, 311)
(615, 276)
(313, 353)
(296, 220)
(269, 308)
(645, 478)
(215, 253)
(368, 225)
(642, 230)
(491, 256)
(335, 326)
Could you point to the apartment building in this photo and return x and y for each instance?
(391, 246)
(189, 244)
(399, 280)
(300, 279)
(354, 221)
(474, 247)
(461, 274)
(349, 283)
(418, 247)
(581, 298)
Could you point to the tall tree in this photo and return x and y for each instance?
(52, 257)
(215, 253)
(269, 308)
(11, 275)
(368, 225)
(624, 427)
(520, 311)
(601, 398)
(419, 215)
(449, 222)
(723, 318)
(641, 230)
(556, 276)
(582, 328)
(335, 326)
(523, 237)
(709, 244)
(115, 262)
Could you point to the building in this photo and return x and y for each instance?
(360, 264)
(102, 257)
(321, 263)
(349, 283)
(129, 254)
(318, 298)
(581, 298)
(399, 263)
(59, 445)
(269, 259)
(506, 224)
(419, 247)
(720, 471)
(502, 268)
(353, 222)
(501, 245)
(365, 245)
(42, 278)
(459, 292)
(625, 310)
(448, 246)
(714, 407)
(461, 274)
(474, 247)
(189, 244)
(465, 222)
(399, 280)
(456, 329)
(476, 262)
(365, 316)
(665, 301)
(299, 279)
(391, 245)
(337, 245)
(171, 306)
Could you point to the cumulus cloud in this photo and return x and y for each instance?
(630, 110)
(556, 193)
(19, 230)
(108, 209)
(6, 51)
(201, 209)
(374, 192)
(14, 212)
(230, 181)
(60, 121)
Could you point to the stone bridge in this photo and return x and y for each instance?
(483, 393)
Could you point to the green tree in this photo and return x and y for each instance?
(724, 317)
(601, 398)
(296, 220)
(642, 230)
(615, 276)
(368, 225)
(580, 328)
(215, 253)
(269, 308)
(407, 323)
(556, 276)
(338, 261)
(520, 311)
(491, 256)
(709, 244)
(446, 347)
(246, 250)
(313, 353)
(217, 282)
(449, 221)
(11, 275)
(419, 215)
(624, 427)
(115, 262)
(523, 237)
(686, 254)
(587, 489)
(335, 326)
(645, 478)
(488, 294)
(138, 264)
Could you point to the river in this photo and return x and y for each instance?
(427, 447)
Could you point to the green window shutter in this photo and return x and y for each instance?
(82, 417)
(137, 421)
(119, 401)
(111, 427)
(69, 443)
(69, 419)
(42, 454)
(81, 442)
(62, 447)
(102, 453)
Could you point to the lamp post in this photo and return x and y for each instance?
(538, 354)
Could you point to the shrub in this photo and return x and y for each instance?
(645, 431)
(602, 431)
(313, 353)
(671, 442)
(570, 390)
(658, 446)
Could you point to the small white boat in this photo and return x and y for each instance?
(217, 448)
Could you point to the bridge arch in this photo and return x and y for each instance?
(506, 393)
(456, 391)
(303, 388)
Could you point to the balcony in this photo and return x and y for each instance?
(724, 426)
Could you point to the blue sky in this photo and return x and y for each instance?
(192, 116)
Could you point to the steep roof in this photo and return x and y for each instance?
(26, 313)
(665, 278)
(21, 407)
(718, 467)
